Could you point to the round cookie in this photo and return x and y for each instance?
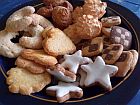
(24, 82)
(121, 36)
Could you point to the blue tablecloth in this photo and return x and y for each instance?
(133, 5)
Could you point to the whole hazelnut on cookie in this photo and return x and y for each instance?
(88, 27)
(61, 17)
(68, 5)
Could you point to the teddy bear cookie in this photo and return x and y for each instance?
(57, 43)
(124, 63)
(39, 56)
(61, 73)
(99, 72)
(122, 36)
(95, 47)
(64, 91)
(30, 65)
(24, 82)
(112, 53)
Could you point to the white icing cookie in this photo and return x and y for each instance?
(64, 91)
(72, 62)
(99, 72)
(62, 74)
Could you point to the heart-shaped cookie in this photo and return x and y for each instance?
(57, 43)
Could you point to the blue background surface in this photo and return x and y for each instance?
(133, 5)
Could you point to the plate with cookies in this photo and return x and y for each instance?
(69, 52)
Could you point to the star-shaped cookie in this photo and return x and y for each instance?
(72, 62)
(64, 91)
(99, 72)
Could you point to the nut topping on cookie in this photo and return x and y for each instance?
(99, 72)
(65, 91)
(73, 61)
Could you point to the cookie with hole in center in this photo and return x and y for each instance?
(124, 63)
(112, 53)
(95, 47)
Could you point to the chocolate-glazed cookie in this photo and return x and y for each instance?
(121, 36)
(124, 63)
(112, 53)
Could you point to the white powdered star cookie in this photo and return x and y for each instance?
(99, 72)
(72, 62)
(64, 91)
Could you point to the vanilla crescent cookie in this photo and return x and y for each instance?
(73, 61)
(34, 41)
(24, 82)
(20, 19)
(99, 72)
(61, 73)
(64, 91)
(40, 20)
(7, 47)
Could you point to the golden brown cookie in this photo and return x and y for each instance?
(61, 17)
(112, 53)
(39, 56)
(135, 58)
(53, 2)
(106, 31)
(57, 43)
(124, 63)
(30, 65)
(24, 82)
(45, 11)
(111, 21)
(95, 47)
(88, 27)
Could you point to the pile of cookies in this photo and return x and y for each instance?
(79, 48)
